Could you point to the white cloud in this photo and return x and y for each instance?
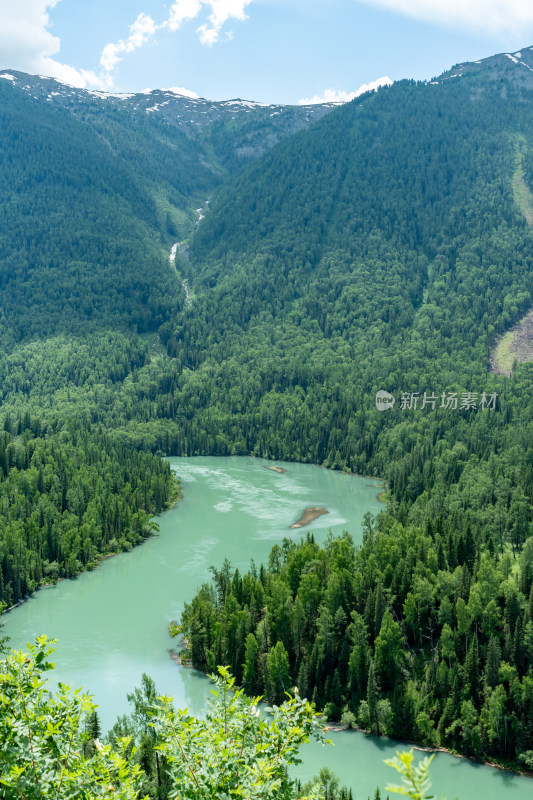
(81, 78)
(183, 92)
(494, 16)
(221, 11)
(142, 29)
(341, 96)
(182, 11)
(26, 44)
(207, 35)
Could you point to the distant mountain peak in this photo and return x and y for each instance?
(40, 84)
(516, 67)
(249, 127)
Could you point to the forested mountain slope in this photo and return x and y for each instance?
(93, 185)
(233, 130)
(94, 189)
(382, 248)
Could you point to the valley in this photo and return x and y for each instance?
(383, 244)
(231, 508)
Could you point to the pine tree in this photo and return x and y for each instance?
(518, 649)
(471, 671)
(250, 676)
(372, 699)
(92, 731)
(369, 613)
(303, 681)
(492, 665)
(379, 607)
(279, 679)
(359, 657)
(528, 642)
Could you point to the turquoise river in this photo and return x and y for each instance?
(112, 624)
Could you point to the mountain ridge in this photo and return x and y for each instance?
(382, 248)
(517, 66)
(38, 87)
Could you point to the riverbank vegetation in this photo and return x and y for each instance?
(383, 248)
(417, 634)
(403, 289)
(68, 497)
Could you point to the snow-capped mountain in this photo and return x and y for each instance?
(516, 67)
(191, 115)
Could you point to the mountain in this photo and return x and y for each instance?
(380, 253)
(384, 248)
(235, 129)
(379, 249)
(515, 68)
(94, 185)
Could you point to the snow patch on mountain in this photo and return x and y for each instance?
(244, 103)
(526, 66)
(108, 95)
(191, 114)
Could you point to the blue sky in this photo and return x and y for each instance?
(281, 51)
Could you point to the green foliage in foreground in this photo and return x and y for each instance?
(42, 738)
(235, 752)
(49, 747)
(416, 782)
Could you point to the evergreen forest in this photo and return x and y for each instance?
(382, 245)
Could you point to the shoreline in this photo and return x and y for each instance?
(338, 727)
(178, 659)
(310, 463)
(333, 727)
(173, 501)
